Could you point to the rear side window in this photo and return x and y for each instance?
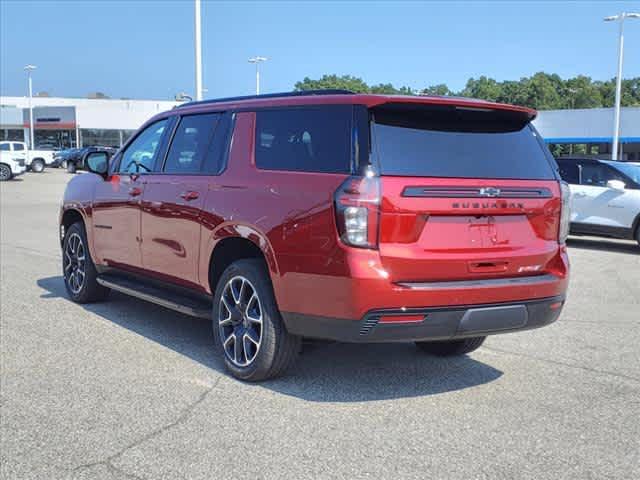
(314, 139)
(4, 147)
(570, 172)
(190, 143)
(458, 142)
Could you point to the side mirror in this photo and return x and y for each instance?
(98, 162)
(616, 184)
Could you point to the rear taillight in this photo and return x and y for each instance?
(565, 213)
(357, 203)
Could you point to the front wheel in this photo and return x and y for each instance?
(63, 164)
(247, 326)
(37, 165)
(78, 268)
(71, 167)
(5, 172)
(451, 348)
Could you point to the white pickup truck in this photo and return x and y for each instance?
(12, 164)
(35, 159)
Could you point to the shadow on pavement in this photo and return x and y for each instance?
(604, 244)
(325, 372)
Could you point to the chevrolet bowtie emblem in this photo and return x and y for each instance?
(490, 192)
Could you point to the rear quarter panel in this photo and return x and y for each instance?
(289, 215)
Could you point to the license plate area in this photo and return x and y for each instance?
(490, 319)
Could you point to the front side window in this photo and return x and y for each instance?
(314, 139)
(190, 143)
(18, 147)
(597, 174)
(140, 155)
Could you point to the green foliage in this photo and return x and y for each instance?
(542, 91)
(348, 82)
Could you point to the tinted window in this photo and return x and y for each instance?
(190, 143)
(140, 155)
(18, 146)
(451, 143)
(306, 139)
(569, 172)
(214, 161)
(4, 147)
(597, 174)
(631, 171)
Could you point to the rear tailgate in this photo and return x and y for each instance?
(467, 193)
(442, 229)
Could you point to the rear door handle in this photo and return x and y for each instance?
(135, 191)
(580, 194)
(188, 196)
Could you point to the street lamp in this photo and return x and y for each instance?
(198, 49)
(616, 123)
(257, 61)
(29, 69)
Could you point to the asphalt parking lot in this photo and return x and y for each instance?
(125, 389)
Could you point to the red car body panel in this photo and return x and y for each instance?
(144, 223)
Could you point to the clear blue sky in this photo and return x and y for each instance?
(144, 49)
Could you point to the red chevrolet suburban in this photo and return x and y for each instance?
(328, 215)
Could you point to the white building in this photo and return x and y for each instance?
(69, 122)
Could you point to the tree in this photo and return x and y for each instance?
(542, 91)
(484, 88)
(345, 82)
(440, 89)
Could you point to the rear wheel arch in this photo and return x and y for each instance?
(229, 250)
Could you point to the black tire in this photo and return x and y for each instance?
(5, 172)
(451, 348)
(37, 166)
(277, 349)
(63, 164)
(71, 167)
(88, 290)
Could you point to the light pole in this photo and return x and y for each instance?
(616, 122)
(29, 69)
(257, 61)
(198, 48)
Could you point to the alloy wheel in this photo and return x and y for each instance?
(74, 263)
(240, 321)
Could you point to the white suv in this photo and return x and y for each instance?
(12, 163)
(35, 159)
(605, 196)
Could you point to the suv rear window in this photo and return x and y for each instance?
(457, 142)
(313, 139)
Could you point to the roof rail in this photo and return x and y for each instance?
(301, 93)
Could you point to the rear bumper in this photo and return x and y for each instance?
(435, 323)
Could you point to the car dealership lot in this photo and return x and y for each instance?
(126, 389)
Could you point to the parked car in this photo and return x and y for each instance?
(35, 160)
(74, 160)
(330, 215)
(12, 162)
(605, 197)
